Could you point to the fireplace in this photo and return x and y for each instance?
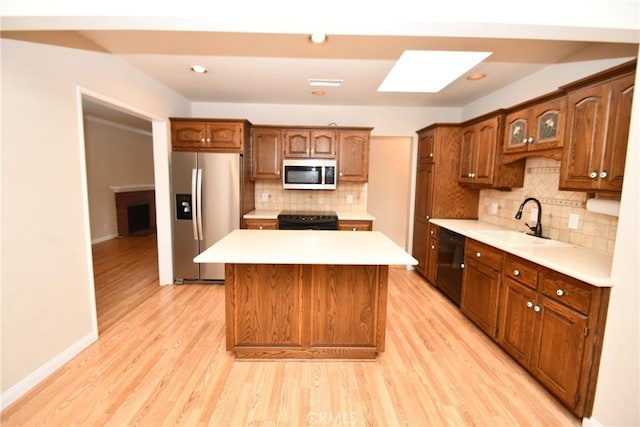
(138, 218)
(135, 212)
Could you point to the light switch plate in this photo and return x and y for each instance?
(349, 198)
(494, 208)
(574, 220)
(534, 214)
(264, 197)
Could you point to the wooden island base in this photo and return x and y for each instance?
(288, 311)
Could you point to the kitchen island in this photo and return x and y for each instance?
(305, 293)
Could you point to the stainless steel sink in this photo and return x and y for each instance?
(518, 238)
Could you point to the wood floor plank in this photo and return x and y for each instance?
(161, 360)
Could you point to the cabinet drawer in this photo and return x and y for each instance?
(523, 271)
(566, 290)
(261, 224)
(344, 225)
(487, 255)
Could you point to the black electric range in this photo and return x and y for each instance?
(307, 220)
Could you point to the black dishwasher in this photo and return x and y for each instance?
(450, 264)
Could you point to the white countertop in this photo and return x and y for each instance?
(306, 247)
(273, 214)
(584, 264)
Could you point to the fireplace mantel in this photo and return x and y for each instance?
(131, 188)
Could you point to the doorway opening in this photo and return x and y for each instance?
(120, 167)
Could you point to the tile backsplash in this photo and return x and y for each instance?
(594, 230)
(347, 197)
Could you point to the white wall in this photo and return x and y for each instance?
(116, 156)
(48, 305)
(389, 188)
(386, 121)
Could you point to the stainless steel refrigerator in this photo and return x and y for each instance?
(206, 196)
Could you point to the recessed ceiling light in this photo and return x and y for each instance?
(318, 38)
(325, 82)
(317, 92)
(477, 76)
(200, 69)
(429, 71)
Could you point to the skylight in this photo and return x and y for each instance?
(428, 70)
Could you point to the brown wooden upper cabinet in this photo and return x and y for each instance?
(309, 143)
(218, 136)
(266, 153)
(353, 155)
(597, 134)
(536, 129)
(480, 158)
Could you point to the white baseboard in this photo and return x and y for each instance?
(103, 238)
(591, 422)
(31, 380)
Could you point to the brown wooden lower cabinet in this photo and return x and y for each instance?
(355, 225)
(550, 323)
(281, 311)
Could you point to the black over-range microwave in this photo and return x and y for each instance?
(309, 174)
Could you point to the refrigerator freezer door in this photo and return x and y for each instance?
(220, 203)
(185, 247)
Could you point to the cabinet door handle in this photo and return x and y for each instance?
(529, 304)
(478, 254)
(433, 246)
(593, 175)
(516, 272)
(427, 217)
(202, 139)
(354, 229)
(536, 309)
(462, 265)
(278, 172)
(340, 173)
(530, 140)
(604, 174)
(260, 228)
(559, 292)
(431, 155)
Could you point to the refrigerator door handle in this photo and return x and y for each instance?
(194, 199)
(199, 204)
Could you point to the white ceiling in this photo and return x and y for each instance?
(275, 68)
(271, 66)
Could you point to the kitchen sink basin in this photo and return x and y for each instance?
(518, 238)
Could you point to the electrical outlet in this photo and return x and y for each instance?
(494, 208)
(349, 198)
(534, 214)
(264, 197)
(574, 220)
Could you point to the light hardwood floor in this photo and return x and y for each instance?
(160, 359)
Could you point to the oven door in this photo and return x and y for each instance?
(316, 224)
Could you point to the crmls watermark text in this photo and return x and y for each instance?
(326, 418)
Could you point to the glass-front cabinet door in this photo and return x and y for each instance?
(538, 127)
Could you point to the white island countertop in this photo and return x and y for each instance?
(588, 265)
(306, 247)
